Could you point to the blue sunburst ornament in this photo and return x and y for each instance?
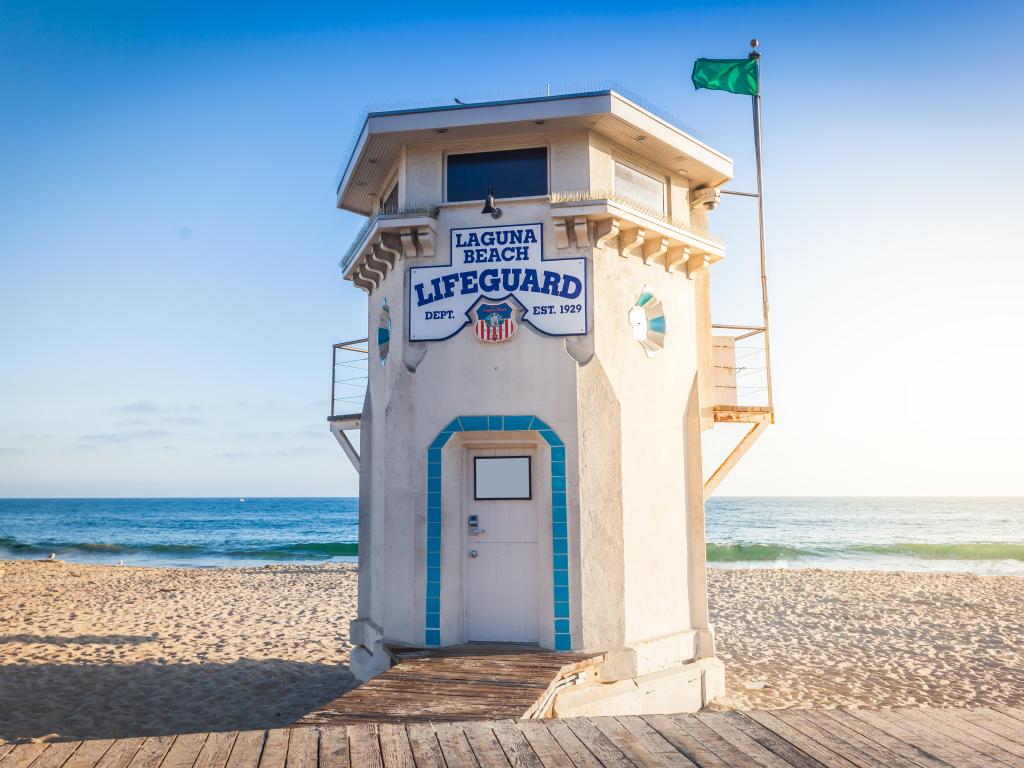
(384, 332)
(647, 320)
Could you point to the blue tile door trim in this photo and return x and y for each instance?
(559, 519)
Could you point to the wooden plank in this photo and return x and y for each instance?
(820, 727)
(599, 745)
(4, 749)
(364, 746)
(275, 748)
(485, 745)
(907, 730)
(628, 744)
(515, 745)
(56, 755)
(89, 753)
(548, 751)
(184, 751)
(215, 751)
(425, 749)
(334, 747)
(997, 721)
(395, 750)
(717, 722)
(975, 737)
(848, 744)
(772, 741)
(120, 753)
(654, 741)
(820, 752)
(455, 746)
(912, 752)
(23, 755)
(248, 749)
(302, 748)
(686, 744)
(710, 738)
(571, 745)
(1015, 712)
(152, 752)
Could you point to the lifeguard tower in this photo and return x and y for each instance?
(541, 363)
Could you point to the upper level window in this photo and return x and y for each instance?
(390, 202)
(512, 173)
(644, 189)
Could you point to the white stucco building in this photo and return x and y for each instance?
(539, 378)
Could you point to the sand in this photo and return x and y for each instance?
(101, 652)
(821, 638)
(92, 651)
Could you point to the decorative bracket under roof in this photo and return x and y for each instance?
(632, 233)
(383, 241)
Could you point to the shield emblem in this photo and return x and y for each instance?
(494, 322)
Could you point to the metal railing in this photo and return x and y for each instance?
(750, 367)
(349, 376)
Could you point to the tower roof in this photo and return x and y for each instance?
(606, 112)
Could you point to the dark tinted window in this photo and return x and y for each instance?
(512, 173)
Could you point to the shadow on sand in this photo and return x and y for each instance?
(102, 701)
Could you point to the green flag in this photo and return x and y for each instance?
(733, 75)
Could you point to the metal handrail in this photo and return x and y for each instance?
(358, 346)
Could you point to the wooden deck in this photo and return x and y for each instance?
(479, 681)
(863, 738)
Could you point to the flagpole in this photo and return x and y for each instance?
(759, 158)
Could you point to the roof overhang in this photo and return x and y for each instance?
(605, 112)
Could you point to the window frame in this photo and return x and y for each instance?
(529, 478)
(636, 168)
(546, 146)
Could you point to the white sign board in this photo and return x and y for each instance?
(498, 263)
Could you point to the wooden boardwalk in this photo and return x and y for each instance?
(478, 681)
(897, 738)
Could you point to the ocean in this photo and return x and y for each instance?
(979, 535)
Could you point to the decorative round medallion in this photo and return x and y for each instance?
(648, 322)
(384, 332)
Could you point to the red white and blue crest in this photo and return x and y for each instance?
(494, 322)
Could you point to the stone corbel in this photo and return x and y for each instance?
(677, 258)
(376, 263)
(408, 244)
(391, 248)
(654, 248)
(695, 263)
(579, 228)
(604, 232)
(632, 243)
(425, 238)
(371, 272)
(561, 234)
(362, 282)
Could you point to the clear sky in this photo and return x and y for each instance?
(168, 237)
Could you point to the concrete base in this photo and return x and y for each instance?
(369, 657)
(686, 688)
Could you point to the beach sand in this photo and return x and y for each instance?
(98, 652)
(822, 638)
(91, 651)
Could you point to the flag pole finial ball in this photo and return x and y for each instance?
(753, 43)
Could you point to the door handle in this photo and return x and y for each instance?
(473, 553)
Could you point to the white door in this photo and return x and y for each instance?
(501, 519)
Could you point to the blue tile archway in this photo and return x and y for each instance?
(559, 519)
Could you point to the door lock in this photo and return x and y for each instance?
(473, 553)
(474, 525)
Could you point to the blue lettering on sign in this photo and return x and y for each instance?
(500, 263)
(528, 279)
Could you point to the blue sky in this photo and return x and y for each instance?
(168, 236)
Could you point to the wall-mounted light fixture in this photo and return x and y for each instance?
(489, 206)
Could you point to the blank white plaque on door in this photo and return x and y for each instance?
(501, 477)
